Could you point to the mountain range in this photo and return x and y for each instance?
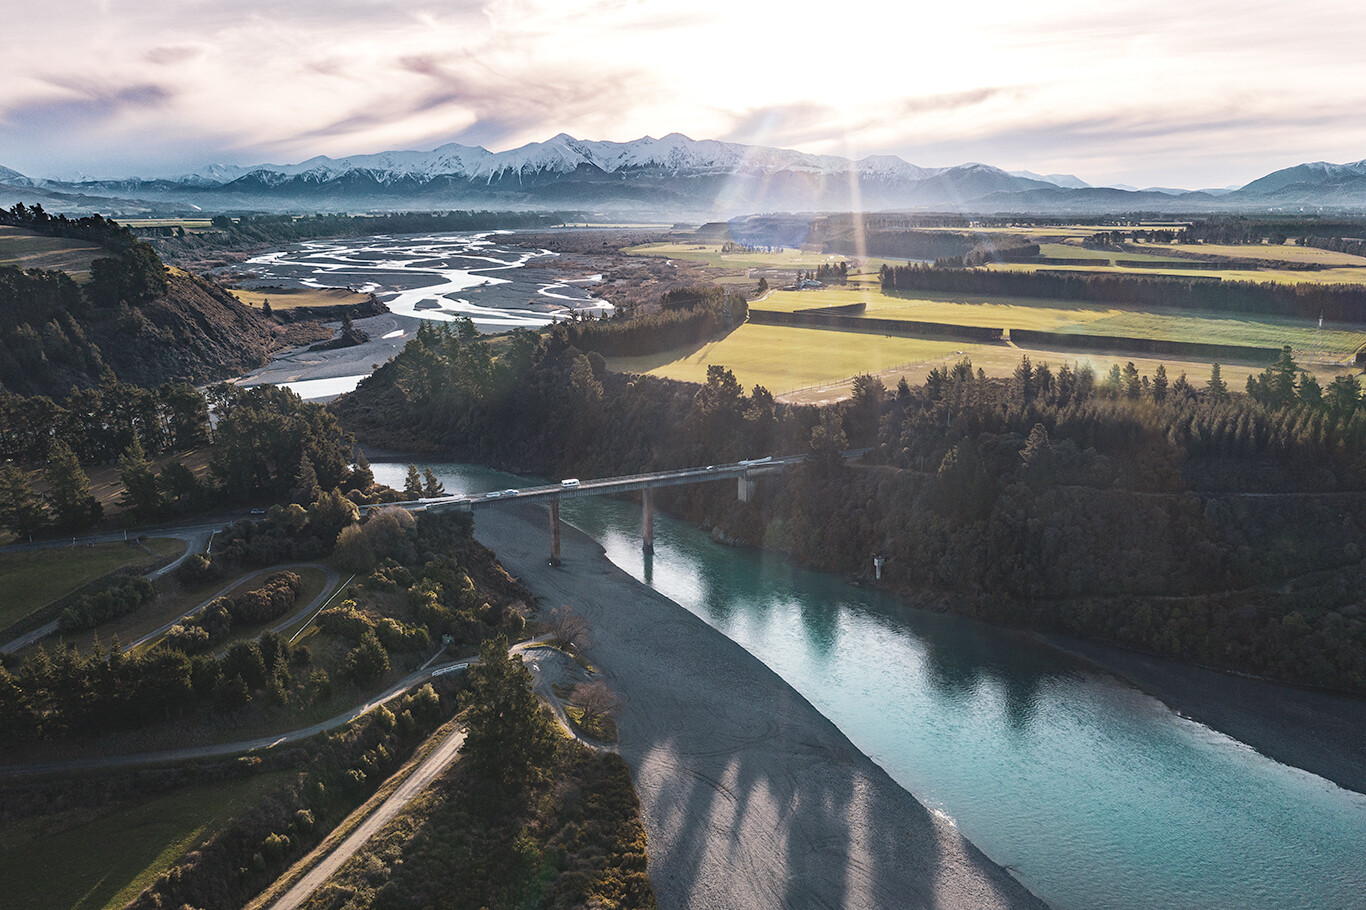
(671, 176)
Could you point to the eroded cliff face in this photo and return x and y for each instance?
(194, 331)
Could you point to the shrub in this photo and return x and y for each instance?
(368, 660)
(190, 639)
(270, 601)
(345, 620)
(395, 636)
(120, 598)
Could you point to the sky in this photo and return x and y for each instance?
(1197, 93)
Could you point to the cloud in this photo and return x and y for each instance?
(1154, 91)
(78, 104)
(169, 55)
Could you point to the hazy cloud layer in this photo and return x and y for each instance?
(1201, 92)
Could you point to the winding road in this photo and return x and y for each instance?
(196, 539)
(258, 744)
(329, 588)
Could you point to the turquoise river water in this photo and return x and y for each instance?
(1094, 794)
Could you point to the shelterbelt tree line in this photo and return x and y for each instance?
(1165, 513)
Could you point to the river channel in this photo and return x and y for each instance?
(420, 277)
(1094, 794)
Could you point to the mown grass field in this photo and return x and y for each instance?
(995, 312)
(1336, 342)
(710, 253)
(32, 580)
(23, 250)
(1281, 252)
(92, 859)
(1060, 243)
(783, 358)
(1344, 275)
(809, 364)
(290, 298)
(813, 366)
(189, 224)
(1075, 250)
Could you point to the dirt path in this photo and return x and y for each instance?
(750, 797)
(428, 771)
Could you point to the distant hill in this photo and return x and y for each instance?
(670, 176)
(146, 324)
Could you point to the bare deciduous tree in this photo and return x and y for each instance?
(595, 700)
(567, 628)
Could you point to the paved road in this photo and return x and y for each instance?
(430, 769)
(329, 586)
(622, 484)
(259, 744)
(198, 530)
(196, 539)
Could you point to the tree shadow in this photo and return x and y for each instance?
(749, 796)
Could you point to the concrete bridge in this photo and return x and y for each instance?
(743, 472)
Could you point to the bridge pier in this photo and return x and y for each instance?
(554, 532)
(745, 489)
(647, 520)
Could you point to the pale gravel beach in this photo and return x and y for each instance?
(750, 797)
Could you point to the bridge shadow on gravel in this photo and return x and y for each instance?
(750, 797)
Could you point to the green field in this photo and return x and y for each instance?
(89, 859)
(23, 250)
(784, 359)
(810, 364)
(814, 366)
(999, 361)
(1275, 251)
(197, 224)
(1101, 257)
(710, 254)
(1343, 275)
(1336, 342)
(289, 298)
(1333, 342)
(1060, 243)
(34, 579)
(994, 312)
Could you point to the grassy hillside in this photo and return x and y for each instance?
(34, 579)
(26, 250)
(102, 857)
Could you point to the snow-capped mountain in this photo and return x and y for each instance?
(564, 154)
(1315, 173)
(672, 175)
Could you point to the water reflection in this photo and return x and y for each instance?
(1095, 794)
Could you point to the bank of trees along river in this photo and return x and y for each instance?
(1169, 514)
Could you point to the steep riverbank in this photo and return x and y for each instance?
(750, 797)
(1320, 732)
